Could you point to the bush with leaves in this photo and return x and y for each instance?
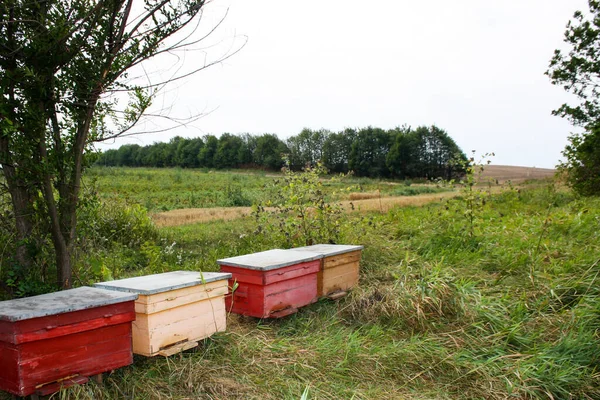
(298, 213)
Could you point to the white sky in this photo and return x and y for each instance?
(472, 67)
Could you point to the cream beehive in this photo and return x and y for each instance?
(174, 310)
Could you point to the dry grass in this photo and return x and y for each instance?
(195, 215)
(368, 201)
(503, 173)
(365, 195)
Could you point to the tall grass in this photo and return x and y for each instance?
(438, 313)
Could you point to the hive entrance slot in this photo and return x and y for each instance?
(283, 312)
(52, 387)
(337, 295)
(177, 347)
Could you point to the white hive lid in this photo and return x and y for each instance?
(159, 283)
(65, 301)
(328, 250)
(270, 259)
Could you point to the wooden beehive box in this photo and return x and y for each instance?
(339, 267)
(273, 283)
(62, 338)
(174, 310)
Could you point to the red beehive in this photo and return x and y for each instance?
(59, 339)
(273, 283)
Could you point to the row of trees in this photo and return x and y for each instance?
(425, 152)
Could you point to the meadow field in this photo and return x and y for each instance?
(458, 299)
(165, 189)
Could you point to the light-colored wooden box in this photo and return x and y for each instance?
(273, 283)
(174, 310)
(339, 267)
(59, 339)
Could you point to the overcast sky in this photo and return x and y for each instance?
(472, 67)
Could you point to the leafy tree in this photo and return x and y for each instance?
(336, 150)
(583, 162)
(61, 64)
(246, 151)
(227, 152)
(269, 151)
(206, 157)
(369, 152)
(578, 72)
(403, 158)
(306, 148)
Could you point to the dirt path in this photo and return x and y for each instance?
(195, 215)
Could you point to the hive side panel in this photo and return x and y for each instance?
(191, 322)
(81, 354)
(293, 293)
(342, 277)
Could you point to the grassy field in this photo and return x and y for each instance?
(167, 189)
(501, 305)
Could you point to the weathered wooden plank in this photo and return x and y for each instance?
(51, 331)
(85, 350)
(295, 271)
(177, 349)
(343, 282)
(54, 347)
(14, 332)
(342, 277)
(166, 318)
(330, 262)
(164, 301)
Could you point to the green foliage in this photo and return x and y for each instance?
(301, 214)
(578, 72)
(61, 67)
(425, 152)
(582, 162)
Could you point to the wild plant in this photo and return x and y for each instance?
(298, 212)
(470, 204)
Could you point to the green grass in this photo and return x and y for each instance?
(511, 311)
(163, 189)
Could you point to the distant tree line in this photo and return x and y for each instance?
(403, 152)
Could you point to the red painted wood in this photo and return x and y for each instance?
(66, 323)
(267, 294)
(78, 344)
